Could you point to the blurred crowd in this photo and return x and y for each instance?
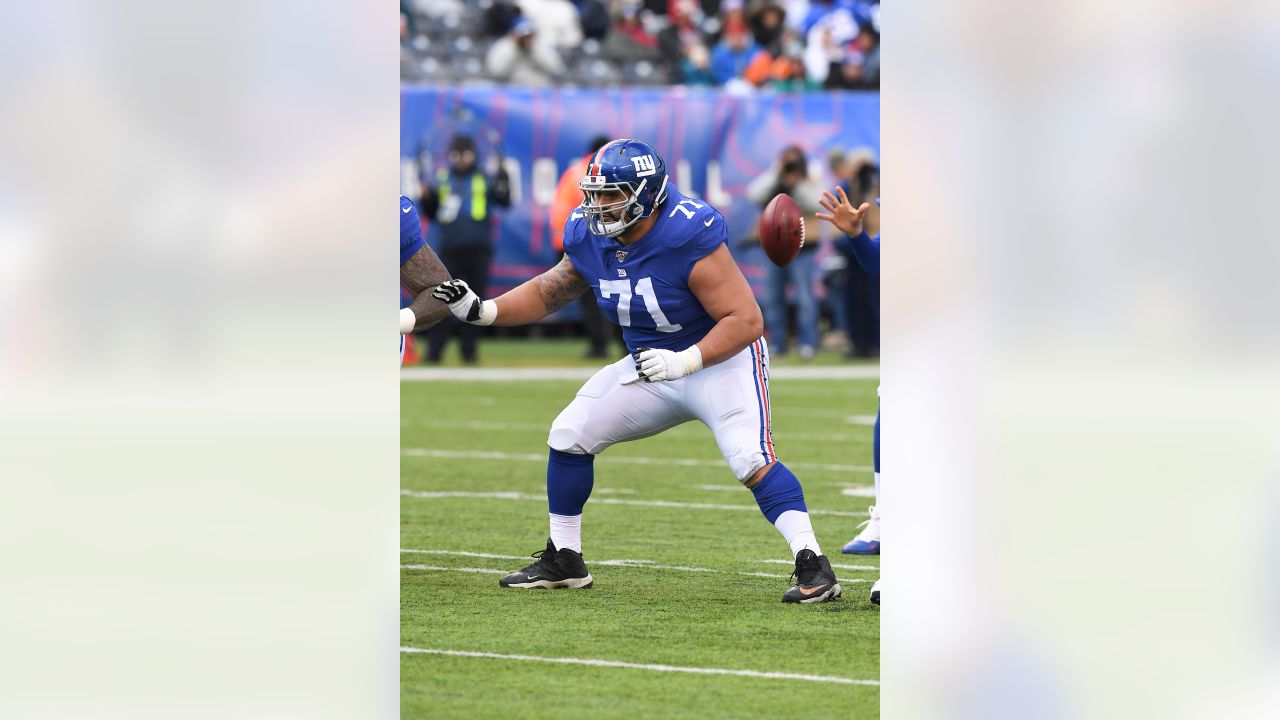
(742, 45)
(822, 300)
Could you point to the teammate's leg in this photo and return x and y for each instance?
(867, 541)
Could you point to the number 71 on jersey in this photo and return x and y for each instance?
(643, 288)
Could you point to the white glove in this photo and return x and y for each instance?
(464, 304)
(657, 365)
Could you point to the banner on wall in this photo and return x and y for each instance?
(714, 145)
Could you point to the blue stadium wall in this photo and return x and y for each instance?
(714, 144)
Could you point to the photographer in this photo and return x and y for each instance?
(790, 175)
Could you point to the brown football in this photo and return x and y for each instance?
(781, 230)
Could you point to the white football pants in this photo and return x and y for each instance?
(731, 398)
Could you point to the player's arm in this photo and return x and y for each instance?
(719, 286)
(419, 275)
(855, 222)
(527, 303)
(724, 293)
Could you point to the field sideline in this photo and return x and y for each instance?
(684, 619)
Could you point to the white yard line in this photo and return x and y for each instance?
(854, 490)
(460, 553)
(485, 571)
(681, 431)
(834, 565)
(511, 495)
(643, 564)
(861, 491)
(644, 666)
(815, 437)
(484, 425)
(497, 374)
(631, 459)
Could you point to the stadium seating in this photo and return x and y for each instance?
(445, 41)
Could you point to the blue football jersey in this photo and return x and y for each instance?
(410, 230)
(644, 286)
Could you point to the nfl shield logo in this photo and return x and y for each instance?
(621, 255)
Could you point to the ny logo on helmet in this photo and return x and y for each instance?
(644, 166)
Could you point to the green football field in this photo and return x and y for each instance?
(688, 574)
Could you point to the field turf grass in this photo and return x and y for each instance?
(569, 352)
(728, 619)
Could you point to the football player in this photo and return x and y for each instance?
(420, 271)
(658, 265)
(857, 224)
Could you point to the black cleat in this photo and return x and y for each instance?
(554, 569)
(815, 580)
(875, 593)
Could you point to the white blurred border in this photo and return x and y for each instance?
(198, 394)
(1079, 368)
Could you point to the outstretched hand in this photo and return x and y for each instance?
(841, 213)
(463, 303)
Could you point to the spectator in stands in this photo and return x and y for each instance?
(734, 52)
(408, 25)
(780, 66)
(520, 58)
(593, 16)
(867, 13)
(568, 197)
(630, 37)
(500, 17)
(676, 41)
(790, 175)
(556, 22)
(461, 200)
(695, 69)
(766, 21)
(830, 28)
(860, 66)
(438, 9)
(789, 72)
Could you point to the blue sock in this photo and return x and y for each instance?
(569, 481)
(877, 440)
(777, 492)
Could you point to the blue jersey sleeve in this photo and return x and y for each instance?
(411, 240)
(867, 250)
(574, 231)
(710, 236)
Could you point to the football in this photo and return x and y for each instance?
(781, 230)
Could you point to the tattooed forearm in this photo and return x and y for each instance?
(423, 271)
(560, 286)
(428, 311)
